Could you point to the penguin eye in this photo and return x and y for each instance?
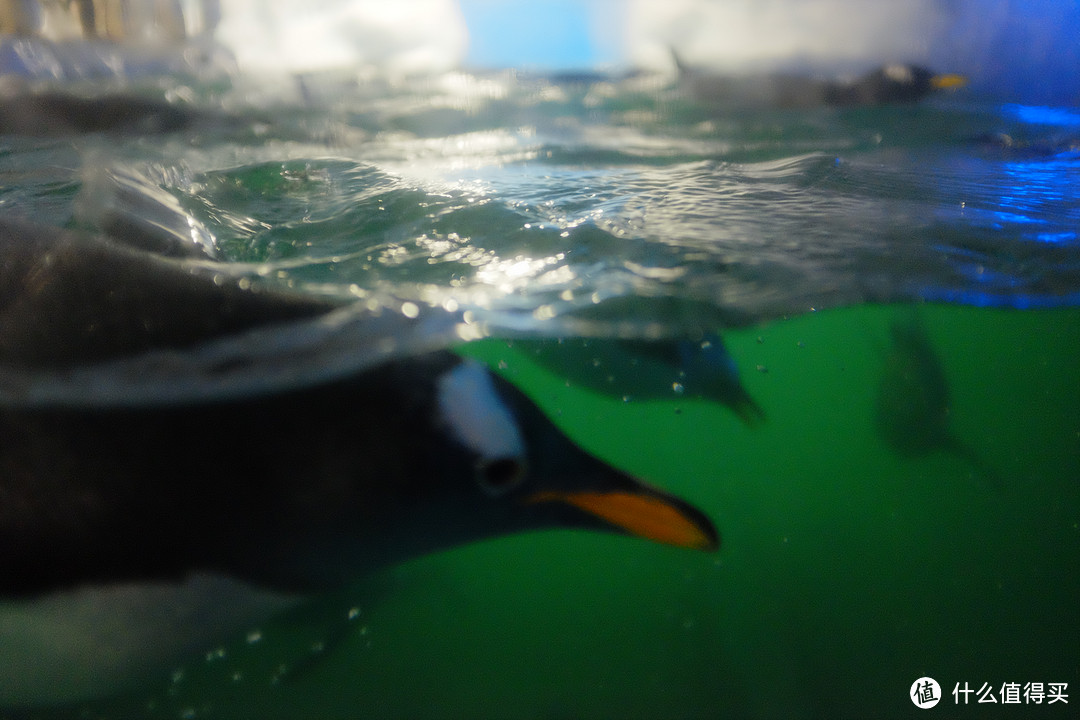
(500, 475)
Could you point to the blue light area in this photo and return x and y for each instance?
(1061, 238)
(1041, 115)
(542, 35)
(1016, 238)
(1028, 49)
(1035, 201)
(979, 298)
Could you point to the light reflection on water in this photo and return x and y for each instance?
(517, 193)
(1041, 115)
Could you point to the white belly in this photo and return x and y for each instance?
(99, 640)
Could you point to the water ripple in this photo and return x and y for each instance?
(540, 202)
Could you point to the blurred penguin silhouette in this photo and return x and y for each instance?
(913, 407)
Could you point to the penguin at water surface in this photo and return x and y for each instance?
(895, 83)
(179, 458)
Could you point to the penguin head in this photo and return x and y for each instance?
(434, 452)
(456, 454)
(900, 83)
(894, 83)
(523, 473)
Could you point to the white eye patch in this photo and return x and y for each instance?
(476, 415)
(899, 73)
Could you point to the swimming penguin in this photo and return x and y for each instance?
(704, 369)
(913, 408)
(890, 84)
(662, 369)
(172, 468)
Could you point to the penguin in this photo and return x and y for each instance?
(154, 500)
(913, 409)
(704, 369)
(698, 367)
(890, 84)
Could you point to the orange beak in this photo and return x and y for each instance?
(653, 517)
(948, 82)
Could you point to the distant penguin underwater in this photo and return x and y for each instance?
(183, 452)
(913, 409)
(670, 369)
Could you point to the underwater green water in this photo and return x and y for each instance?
(846, 571)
